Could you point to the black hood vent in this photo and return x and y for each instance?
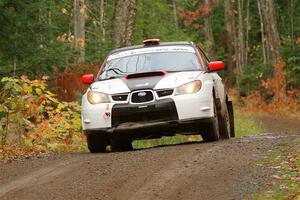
(146, 74)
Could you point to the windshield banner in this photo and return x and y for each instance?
(151, 50)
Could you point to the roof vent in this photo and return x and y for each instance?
(150, 42)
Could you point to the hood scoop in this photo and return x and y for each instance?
(146, 74)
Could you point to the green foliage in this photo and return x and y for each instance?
(28, 36)
(97, 44)
(293, 72)
(292, 69)
(252, 77)
(155, 19)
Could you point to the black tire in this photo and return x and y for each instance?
(97, 142)
(225, 125)
(231, 117)
(210, 131)
(120, 145)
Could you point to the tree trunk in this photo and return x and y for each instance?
(209, 38)
(102, 19)
(231, 35)
(15, 65)
(292, 34)
(79, 29)
(241, 38)
(124, 22)
(262, 29)
(175, 14)
(271, 36)
(247, 31)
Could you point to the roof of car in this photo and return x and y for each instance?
(160, 44)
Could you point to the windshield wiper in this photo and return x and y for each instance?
(114, 69)
(170, 71)
(108, 78)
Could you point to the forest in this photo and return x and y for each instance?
(45, 46)
(258, 40)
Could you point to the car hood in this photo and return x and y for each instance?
(123, 85)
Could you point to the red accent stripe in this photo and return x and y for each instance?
(200, 58)
(100, 70)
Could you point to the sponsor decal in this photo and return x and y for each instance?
(107, 113)
(143, 107)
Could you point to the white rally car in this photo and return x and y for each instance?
(154, 90)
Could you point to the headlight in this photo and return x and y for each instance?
(97, 97)
(189, 88)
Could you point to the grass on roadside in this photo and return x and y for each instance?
(284, 164)
(177, 139)
(246, 125)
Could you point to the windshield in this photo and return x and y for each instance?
(146, 62)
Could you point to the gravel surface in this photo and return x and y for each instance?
(221, 170)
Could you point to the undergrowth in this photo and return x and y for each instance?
(32, 120)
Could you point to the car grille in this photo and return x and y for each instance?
(163, 93)
(120, 97)
(161, 110)
(142, 96)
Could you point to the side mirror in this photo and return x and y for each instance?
(87, 78)
(216, 66)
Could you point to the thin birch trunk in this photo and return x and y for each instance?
(175, 14)
(15, 65)
(247, 31)
(231, 35)
(292, 25)
(262, 29)
(102, 20)
(241, 38)
(210, 42)
(79, 29)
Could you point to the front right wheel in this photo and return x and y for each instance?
(225, 125)
(210, 131)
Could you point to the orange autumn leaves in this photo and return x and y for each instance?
(64, 37)
(191, 17)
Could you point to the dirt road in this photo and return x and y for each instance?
(220, 170)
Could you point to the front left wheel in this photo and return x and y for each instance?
(97, 142)
(120, 145)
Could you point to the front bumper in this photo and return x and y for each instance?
(174, 108)
(136, 130)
